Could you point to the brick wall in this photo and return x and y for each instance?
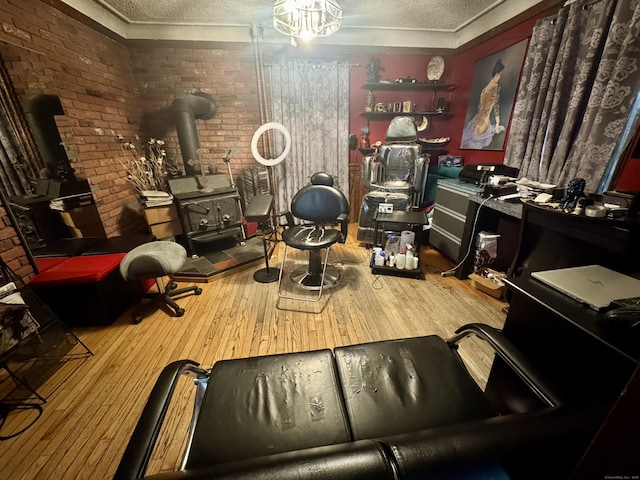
(164, 72)
(11, 249)
(108, 88)
(92, 75)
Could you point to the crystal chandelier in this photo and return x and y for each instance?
(306, 19)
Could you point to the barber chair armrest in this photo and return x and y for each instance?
(343, 220)
(288, 218)
(510, 354)
(528, 441)
(138, 452)
(359, 460)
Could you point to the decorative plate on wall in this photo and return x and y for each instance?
(435, 69)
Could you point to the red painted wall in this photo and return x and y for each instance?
(629, 178)
(458, 71)
(393, 67)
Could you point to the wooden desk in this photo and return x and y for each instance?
(562, 337)
(587, 363)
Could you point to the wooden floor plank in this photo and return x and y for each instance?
(93, 403)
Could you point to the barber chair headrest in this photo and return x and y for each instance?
(322, 178)
(401, 129)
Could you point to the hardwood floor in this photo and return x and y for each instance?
(93, 403)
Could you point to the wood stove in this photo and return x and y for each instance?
(208, 205)
(209, 208)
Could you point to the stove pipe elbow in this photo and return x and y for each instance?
(186, 110)
(40, 111)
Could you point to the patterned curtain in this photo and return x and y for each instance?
(20, 159)
(311, 99)
(578, 84)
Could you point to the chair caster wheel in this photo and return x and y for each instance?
(137, 319)
(197, 291)
(180, 312)
(172, 286)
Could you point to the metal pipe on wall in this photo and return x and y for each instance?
(187, 109)
(40, 112)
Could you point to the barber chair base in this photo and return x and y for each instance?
(266, 275)
(301, 277)
(312, 276)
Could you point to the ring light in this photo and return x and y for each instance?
(287, 143)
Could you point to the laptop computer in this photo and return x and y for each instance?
(593, 285)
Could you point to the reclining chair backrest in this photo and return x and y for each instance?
(399, 165)
(399, 162)
(401, 151)
(401, 129)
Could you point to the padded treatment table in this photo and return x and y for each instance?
(293, 401)
(392, 409)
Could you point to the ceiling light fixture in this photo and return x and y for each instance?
(306, 19)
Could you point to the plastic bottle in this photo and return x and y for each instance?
(408, 263)
(400, 261)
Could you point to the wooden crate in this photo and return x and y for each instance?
(163, 221)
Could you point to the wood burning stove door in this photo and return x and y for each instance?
(211, 218)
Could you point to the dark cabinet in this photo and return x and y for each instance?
(449, 217)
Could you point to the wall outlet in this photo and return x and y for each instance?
(385, 208)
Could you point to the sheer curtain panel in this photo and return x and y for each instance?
(311, 99)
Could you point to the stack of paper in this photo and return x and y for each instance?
(530, 188)
(71, 201)
(156, 198)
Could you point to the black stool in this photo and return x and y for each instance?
(259, 211)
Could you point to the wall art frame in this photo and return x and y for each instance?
(493, 92)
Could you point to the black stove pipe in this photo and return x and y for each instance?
(187, 109)
(40, 111)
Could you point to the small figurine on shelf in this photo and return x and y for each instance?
(370, 102)
(364, 138)
(373, 71)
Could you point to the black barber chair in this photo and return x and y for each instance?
(320, 207)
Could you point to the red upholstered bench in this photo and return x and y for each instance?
(85, 290)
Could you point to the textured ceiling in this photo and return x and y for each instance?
(401, 23)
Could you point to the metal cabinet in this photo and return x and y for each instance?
(449, 217)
